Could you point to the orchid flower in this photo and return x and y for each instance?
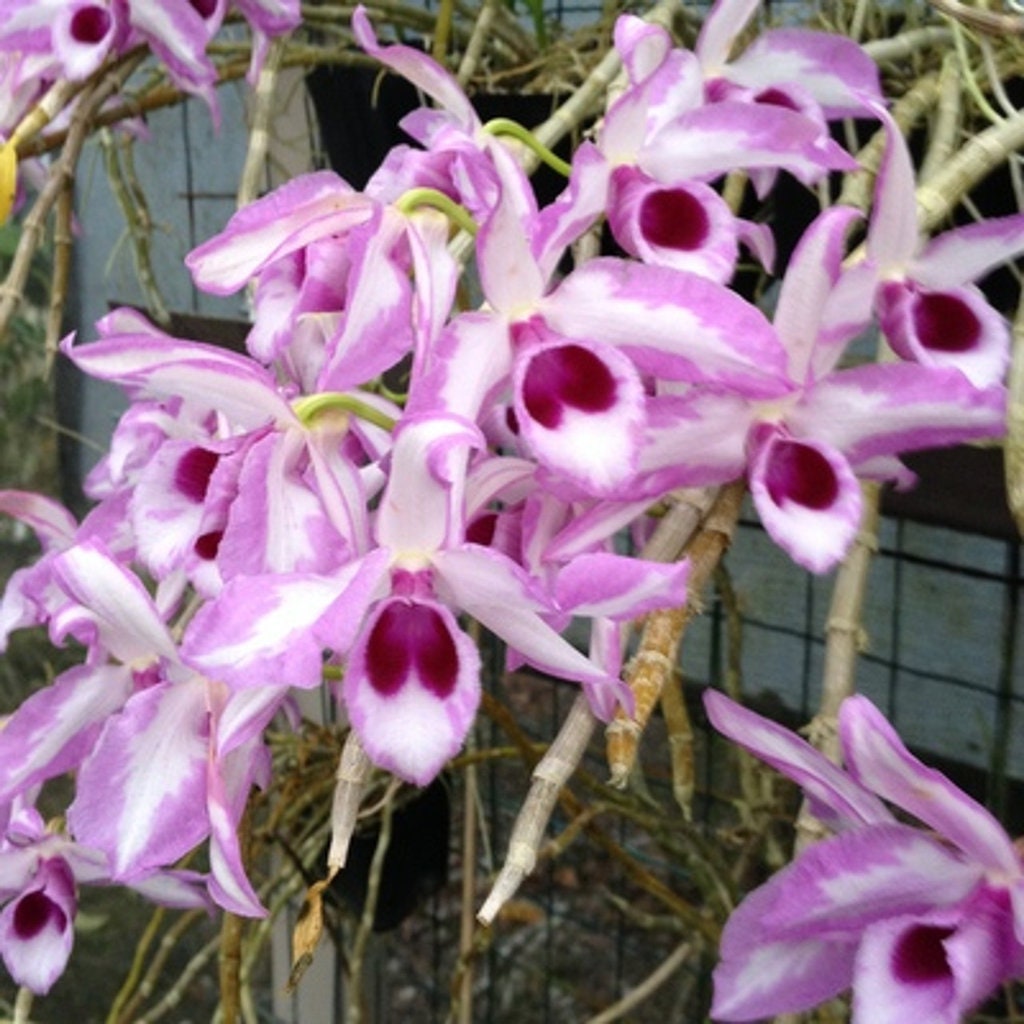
(153, 743)
(40, 872)
(573, 357)
(924, 922)
(270, 490)
(785, 66)
(804, 450)
(79, 34)
(663, 143)
(926, 306)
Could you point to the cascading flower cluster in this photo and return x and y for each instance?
(268, 521)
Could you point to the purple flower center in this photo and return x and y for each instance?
(674, 219)
(192, 475)
(945, 323)
(204, 8)
(799, 473)
(567, 375)
(920, 955)
(774, 97)
(208, 544)
(481, 529)
(411, 637)
(34, 912)
(89, 25)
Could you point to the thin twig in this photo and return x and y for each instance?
(636, 995)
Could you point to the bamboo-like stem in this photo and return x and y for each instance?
(907, 44)
(61, 176)
(663, 631)
(937, 198)
(354, 999)
(62, 246)
(124, 184)
(477, 40)
(259, 133)
(354, 769)
(636, 995)
(549, 776)
(946, 124)
(22, 1006)
(230, 967)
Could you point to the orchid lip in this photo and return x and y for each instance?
(566, 376)
(35, 912)
(406, 638)
(944, 323)
(801, 474)
(674, 219)
(920, 955)
(90, 25)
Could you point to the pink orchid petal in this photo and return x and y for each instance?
(261, 631)
(436, 275)
(178, 35)
(687, 226)
(166, 505)
(677, 325)
(781, 977)
(510, 275)
(37, 928)
(590, 527)
(54, 729)
(893, 236)
(834, 70)
(114, 604)
(642, 46)
(839, 886)
(955, 327)
(882, 410)
(711, 428)
(581, 410)
(968, 253)
(619, 588)
(838, 800)
(807, 497)
(724, 22)
(376, 331)
(472, 358)
(140, 793)
(422, 509)
(810, 277)
(411, 687)
(671, 89)
(210, 377)
(179, 889)
(304, 210)
(715, 139)
(229, 884)
(427, 75)
(499, 594)
(878, 759)
(562, 222)
(51, 522)
(276, 523)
